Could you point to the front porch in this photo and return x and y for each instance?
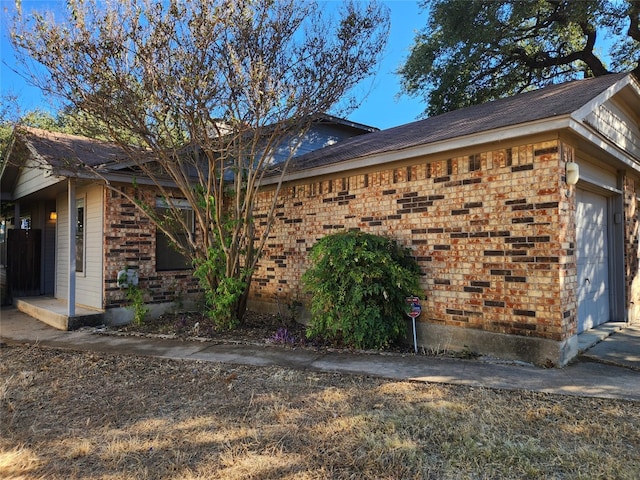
(53, 311)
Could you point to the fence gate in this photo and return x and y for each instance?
(23, 262)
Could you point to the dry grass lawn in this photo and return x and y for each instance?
(68, 415)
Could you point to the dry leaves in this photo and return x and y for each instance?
(70, 415)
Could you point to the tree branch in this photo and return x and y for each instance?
(634, 20)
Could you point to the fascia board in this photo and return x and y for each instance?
(499, 135)
(113, 177)
(582, 113)
(140, 180)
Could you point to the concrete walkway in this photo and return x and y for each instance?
(585, 377)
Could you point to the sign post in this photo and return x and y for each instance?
(414, 312)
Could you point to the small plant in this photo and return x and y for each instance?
(283, 337)
(135, 295)
(222, 301)
(359, 283)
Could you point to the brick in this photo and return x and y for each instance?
(481, 238)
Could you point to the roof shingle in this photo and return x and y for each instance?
(548, 102)
(62, 150)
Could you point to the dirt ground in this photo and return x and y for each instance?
(257, 329)
(71, 415)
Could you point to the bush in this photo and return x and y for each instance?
(359, 283)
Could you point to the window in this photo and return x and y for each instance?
(474, 162)
(80, 234)
(167, 257)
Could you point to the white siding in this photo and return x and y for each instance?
(612, 121)
(89, 283)
(596, 175)
(33, 178)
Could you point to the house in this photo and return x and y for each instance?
(522, 214)
(517, 258)
(70, 237)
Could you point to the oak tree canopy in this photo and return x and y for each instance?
(473, 51)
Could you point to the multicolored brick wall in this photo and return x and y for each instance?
(130, 241)
(631, 250)
(566, 231)
(483, 228)
(493, 232)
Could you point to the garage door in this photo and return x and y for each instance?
(593, 259)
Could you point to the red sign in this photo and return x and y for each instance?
(416, 308)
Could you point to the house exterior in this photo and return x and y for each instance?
(516, 259)
(69, 236)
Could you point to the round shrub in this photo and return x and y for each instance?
(359, 282)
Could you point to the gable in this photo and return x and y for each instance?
(32, 178)
(323, 133)
(618, 119)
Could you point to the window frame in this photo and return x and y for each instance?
(163, 249)
(81, 235)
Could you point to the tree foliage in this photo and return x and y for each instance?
(359, 283)
(210, 88)
(473, 51)
(11, 115)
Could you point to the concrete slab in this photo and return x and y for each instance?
(588, 339)
(54, 312)
(582, 378)
(621, 348)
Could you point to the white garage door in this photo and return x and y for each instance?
(593, 260)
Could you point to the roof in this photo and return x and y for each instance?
(552, 101)
(326, 118)
(62, 150)
(60, 154)
(64, 154)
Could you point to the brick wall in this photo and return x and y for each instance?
(490, 231)
(493, 232)
(631, 253)
(566, 231)
(130, 241)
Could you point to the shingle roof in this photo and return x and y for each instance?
(548, 102)
(62, 150)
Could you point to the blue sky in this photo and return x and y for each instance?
(381, 107)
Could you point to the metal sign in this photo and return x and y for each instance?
(416, 308)
(414, 312)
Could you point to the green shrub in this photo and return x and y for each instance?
(359, 282)
(135, 295)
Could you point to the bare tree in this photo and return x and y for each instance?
(210, 88)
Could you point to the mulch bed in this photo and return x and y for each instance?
(256, 329)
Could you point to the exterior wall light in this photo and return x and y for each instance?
(53, 216)
(572, 171)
